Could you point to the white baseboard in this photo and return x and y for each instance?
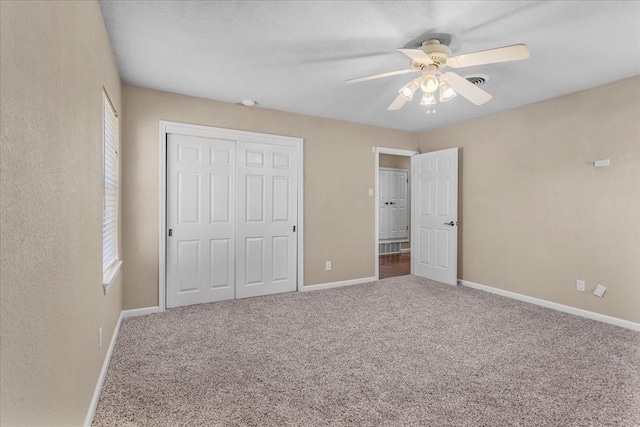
(103, 373)
(555, 306)
(338, 284)
(107, 358)
(405, 250)
(140, 312)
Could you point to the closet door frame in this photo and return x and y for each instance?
(169, 127)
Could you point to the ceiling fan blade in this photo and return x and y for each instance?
(491, 56)
(378, 76)
(397, 104)
(417, 55)
(466, 89)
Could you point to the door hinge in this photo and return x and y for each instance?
(170, 232)
(294, 228)
(407, 227)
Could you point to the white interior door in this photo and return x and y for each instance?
(201, 217)
(383, 180)
(266, 249)
(435, 215)
(398, 181)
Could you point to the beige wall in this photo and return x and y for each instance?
(536, 215)
(339, 169)
(55, 58)
(396, 162)
(399, 162)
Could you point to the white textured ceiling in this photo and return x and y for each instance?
(295, 55)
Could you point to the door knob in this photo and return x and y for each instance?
(450, 223)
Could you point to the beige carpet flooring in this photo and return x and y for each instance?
(403, 351)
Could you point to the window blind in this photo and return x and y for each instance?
(110, 211)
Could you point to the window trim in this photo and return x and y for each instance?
(109, 273)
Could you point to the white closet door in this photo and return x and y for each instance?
(201, 217)
(266, 245)
(434, 206)
(398, 204)
(384, 204)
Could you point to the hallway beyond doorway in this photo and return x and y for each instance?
(395, 265)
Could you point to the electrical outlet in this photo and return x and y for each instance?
(327, 266)
(580, 286)
(100, 337)
(599, 291)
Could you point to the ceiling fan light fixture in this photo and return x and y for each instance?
(428, 99)
(446, 93)
(434, 55)
(429, 84)
(408, 90)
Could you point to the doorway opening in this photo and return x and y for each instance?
(393, 207)
(433, 223)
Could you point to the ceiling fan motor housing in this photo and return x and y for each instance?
(439, 53)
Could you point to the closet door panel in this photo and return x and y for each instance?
(398, 196)
(384, 204)
(393, 218)
(267, 192)
(201, 217)
(232, 210)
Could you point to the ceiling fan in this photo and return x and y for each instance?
(431, 58)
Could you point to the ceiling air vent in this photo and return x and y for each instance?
(478, 79)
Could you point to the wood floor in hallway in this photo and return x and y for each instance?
(395, 265)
